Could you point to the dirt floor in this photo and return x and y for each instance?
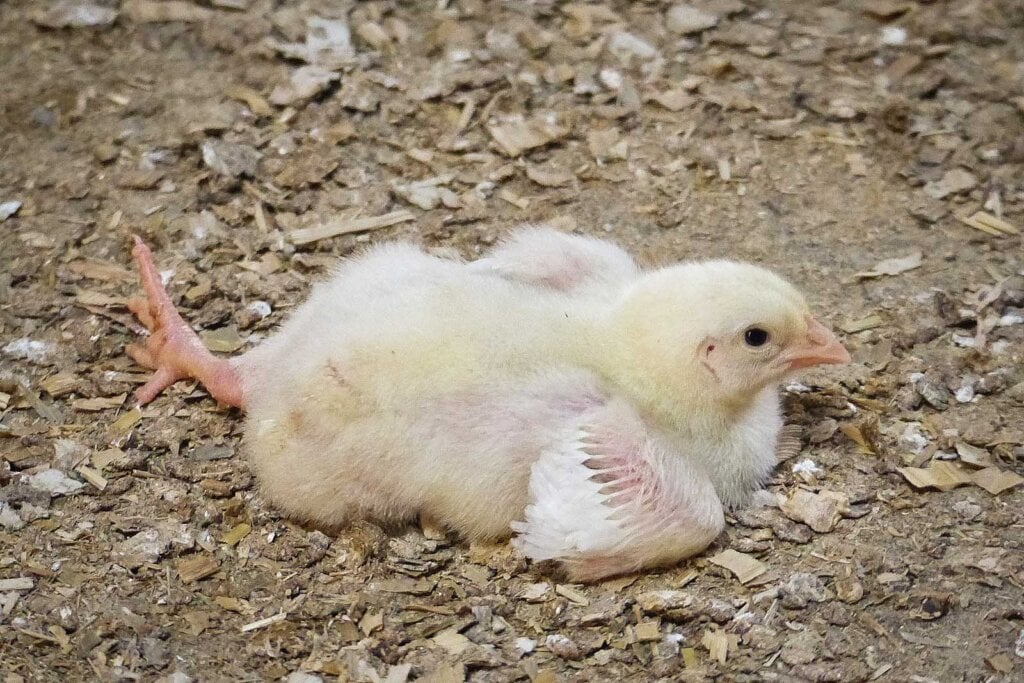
(872, 151)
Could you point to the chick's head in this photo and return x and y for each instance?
(723, 330)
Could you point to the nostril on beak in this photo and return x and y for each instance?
(817, 333)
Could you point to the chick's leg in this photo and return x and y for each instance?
(172, 349)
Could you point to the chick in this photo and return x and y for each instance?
(602, 414)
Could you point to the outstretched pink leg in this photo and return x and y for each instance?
(172, 349)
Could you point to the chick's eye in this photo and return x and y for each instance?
(755, 336)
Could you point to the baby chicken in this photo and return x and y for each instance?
(552, 390)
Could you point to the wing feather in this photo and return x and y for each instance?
(610, 494)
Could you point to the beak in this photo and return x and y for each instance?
(820, 347)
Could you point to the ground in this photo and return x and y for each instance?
(848, 145)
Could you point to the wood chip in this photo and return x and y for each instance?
(719, 644)
(232, 604)
(456, 673)
(197, 622)
(548, 176)
(820, 511)
(901, 67)
(408, 586)
(863, 324)
(990, 224)
(43, 409)
(995, 480)
(92, 405)
(223, 339)
(263, 623)
(61, 384)
(572, 594)
(126, 421)
(743, 566)
(855, 433)
(620, 582)
(972, 455)
(101, 270)
(371, 621)
(102, 459)
(673, 100)
(452, 641)
(516, 134)
(857, 164)
(215, 488)
(430, 609)
(197, 567)
(513, 199)
(886, 9)
(940, 474)
(346, 226)
(648, 631)
(148, 11)
(88, 297)
(535, 592)
(236, 534)
(21, 583)
(257, 104)
(92, 476)
(894, 266)
(1001, 663)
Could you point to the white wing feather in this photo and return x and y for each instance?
(614, 498)
(568, 514)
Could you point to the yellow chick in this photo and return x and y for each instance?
(552, 390)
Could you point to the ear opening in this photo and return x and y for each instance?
(707, 347)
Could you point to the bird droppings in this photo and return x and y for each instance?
(807, 468)
(54, 482)
(893, 36)
(525, 645)
(793, 136)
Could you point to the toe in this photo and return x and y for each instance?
(139, 306)
(161, 379)
(150, 276)
(141, 355)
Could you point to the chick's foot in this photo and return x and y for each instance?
(173, 350)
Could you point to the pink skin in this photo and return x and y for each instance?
(172, 349)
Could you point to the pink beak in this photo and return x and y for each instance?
(820, 347)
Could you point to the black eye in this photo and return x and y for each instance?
(755, 336)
